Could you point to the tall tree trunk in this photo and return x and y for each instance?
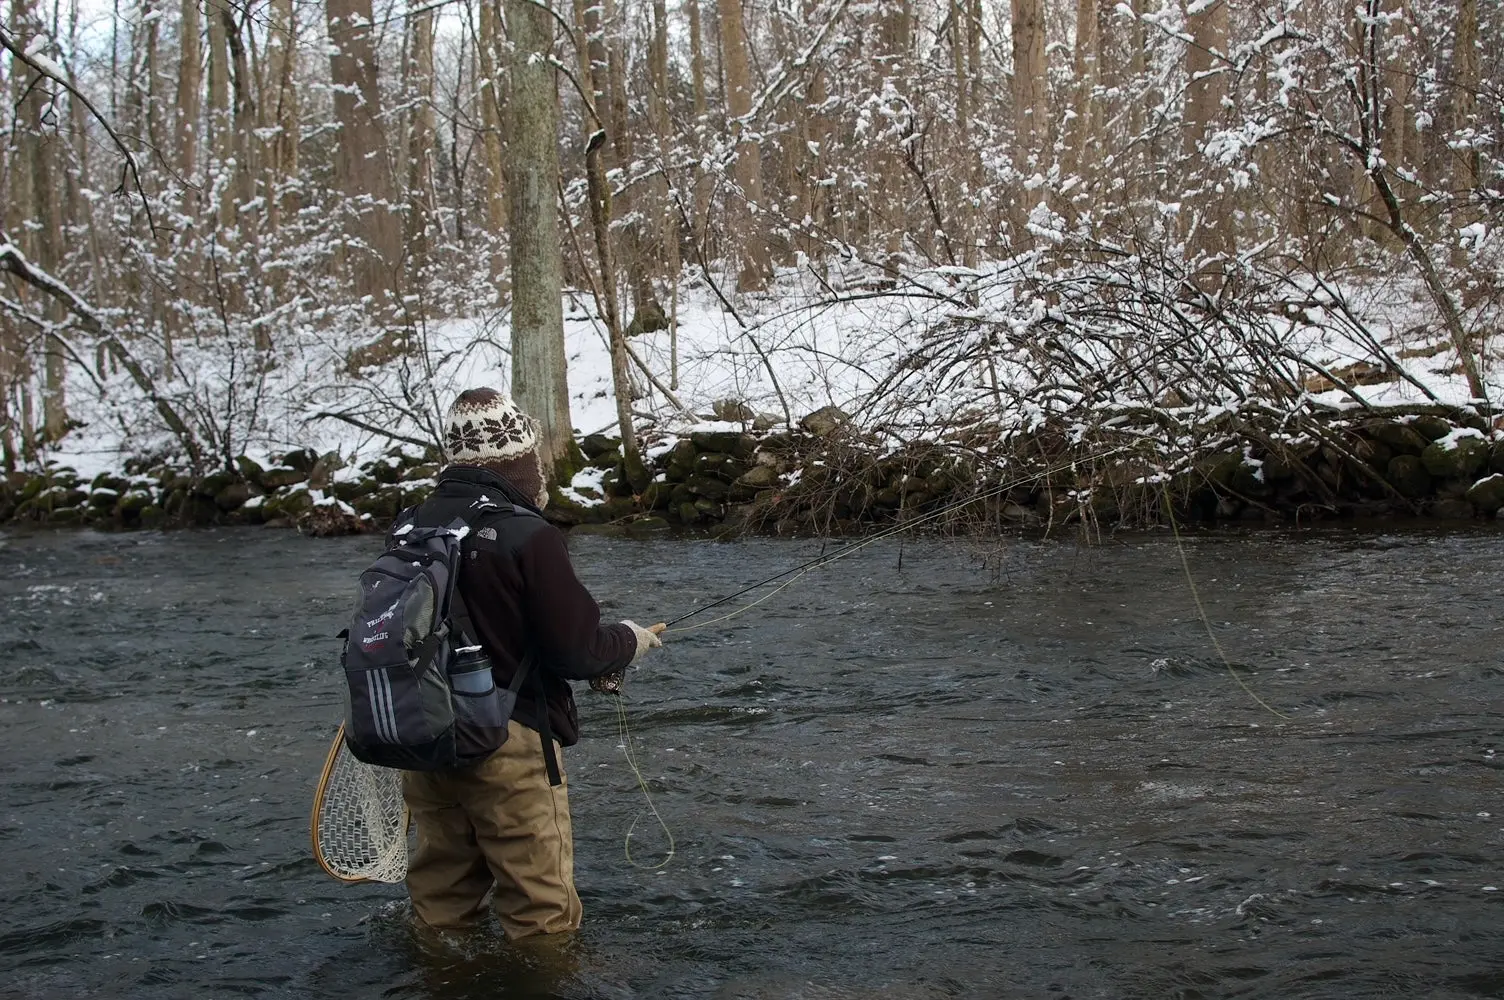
(1465, 163)
(1400, 143)
(1140, 178)
(221, 139)
(489, 90)
(35, 170)
(747, 210)
(244, 143)
(539, 381)
(700, 209)
(662, 126)
(961, 212)
(647, 313)
(1031, 108)
(189, 132)
(420, 137)
(1206, 89)
(279, 111)
(1082, 134)
(362, 167)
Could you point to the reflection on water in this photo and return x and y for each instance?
(1012, 769)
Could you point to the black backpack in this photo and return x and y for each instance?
(420, 695)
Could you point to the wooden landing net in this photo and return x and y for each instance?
(359, 822)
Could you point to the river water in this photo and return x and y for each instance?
(950, 769)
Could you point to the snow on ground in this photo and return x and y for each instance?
(810, 343)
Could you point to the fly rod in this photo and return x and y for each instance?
(829, 557)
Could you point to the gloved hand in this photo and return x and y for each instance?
(647, 638)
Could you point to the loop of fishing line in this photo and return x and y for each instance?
(631, 756)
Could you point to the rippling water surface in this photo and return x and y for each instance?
(1010, 769)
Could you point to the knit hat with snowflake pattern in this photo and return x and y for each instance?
(485, 428)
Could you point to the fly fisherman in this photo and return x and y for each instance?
(504, 824)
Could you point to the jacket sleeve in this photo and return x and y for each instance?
(565, 619)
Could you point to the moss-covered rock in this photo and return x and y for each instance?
(759, 477)
(321, 474)
(657, 496)
(1400, 438)
(614, 483)
(351, 490)
(825, 421)
(1432, 427)
(1408, 475)
(648, 527)
(733, 411)
(707, 487)
(381, 504)
(1219, 469)
(279, 477)
(614, 509)
(134, 501)
(600, 446)
(1456, 457)
(173, 502)
(1496, 457)
(302, 459)
(250, 470)
(681, 460)
(31, 488)
(292, 504)
(233, 496)
(211, 484)
(1487, 494)
(734, 443)
(152, 516)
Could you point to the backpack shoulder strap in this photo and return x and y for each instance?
(461, 616)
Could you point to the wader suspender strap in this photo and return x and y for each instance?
(546, 731)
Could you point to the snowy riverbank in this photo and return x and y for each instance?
(839, 400)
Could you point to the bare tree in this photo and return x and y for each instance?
(1210, 226)
(34, 173)
(747, 211)
(279, 107)
(539, 381)
(362, 167)
(1031, 97)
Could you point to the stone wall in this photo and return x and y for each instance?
(826, 477)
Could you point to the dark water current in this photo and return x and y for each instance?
(1009, 769)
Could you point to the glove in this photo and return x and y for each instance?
(647, 638)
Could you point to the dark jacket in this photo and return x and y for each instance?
(522, 595)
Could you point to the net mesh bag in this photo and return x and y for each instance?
(359, 819)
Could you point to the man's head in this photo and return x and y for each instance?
(485, 428)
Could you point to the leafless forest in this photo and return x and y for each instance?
(236, 173)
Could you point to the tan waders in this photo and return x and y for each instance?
(497, 825)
